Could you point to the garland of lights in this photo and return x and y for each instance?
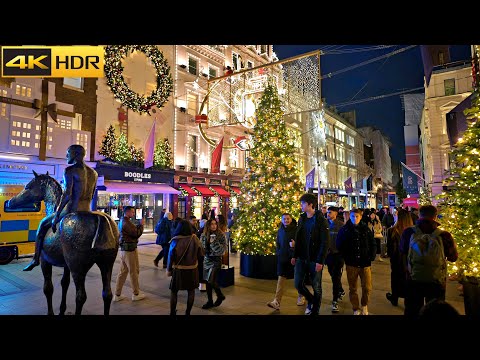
(114, 54)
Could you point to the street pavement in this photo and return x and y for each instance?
(21, 293)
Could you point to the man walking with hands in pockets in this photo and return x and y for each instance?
(311, 245)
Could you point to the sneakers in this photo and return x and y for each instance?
(274, 304)
(138, 297)
(117, 298)
(357, 312)
(308, 310)
(364, 310)
(334, 307)
(300, 300)
(341, 295)
(202, 287)
(379, 258)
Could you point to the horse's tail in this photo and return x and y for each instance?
(101, 215)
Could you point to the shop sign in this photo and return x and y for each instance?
(133, 174)
(182, 179)
(215, 182)
(26, 167)
(198, 180)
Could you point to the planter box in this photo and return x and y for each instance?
(471, 297)
(258, 266)
(226, 277)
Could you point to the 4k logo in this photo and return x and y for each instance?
(53, 61)
(26, 62)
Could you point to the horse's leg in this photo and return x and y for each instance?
(81, 295)
(47, 284)
(65, 283)
(106, 268)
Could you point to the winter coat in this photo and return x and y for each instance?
(335, 227)
(180, 246)
(284, 252)
(356, 244)
(375, 226)
(164, 231)
(317, 249)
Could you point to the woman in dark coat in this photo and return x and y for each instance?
(284, 252)
(397, 276)
(185, 249)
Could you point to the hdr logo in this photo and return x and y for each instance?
(52, 61)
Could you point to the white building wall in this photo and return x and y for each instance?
(434, 138)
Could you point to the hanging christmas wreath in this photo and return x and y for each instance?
(114, 54)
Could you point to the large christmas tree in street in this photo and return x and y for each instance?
(460, 209)
(271, 185)
(123, 154)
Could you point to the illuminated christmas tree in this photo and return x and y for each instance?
(109, 144)
(425, 197)
(162, 157)
(137, 156)
(123, 155)
(460, 209)
(271, 185)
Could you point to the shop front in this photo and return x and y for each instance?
(201, 195)
(149, 191)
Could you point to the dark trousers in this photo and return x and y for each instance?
(213, 285)
(163, 254)
(335, 264)
(307, 268)
(419, 293)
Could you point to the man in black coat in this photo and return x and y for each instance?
(311, 245)
(357, 245)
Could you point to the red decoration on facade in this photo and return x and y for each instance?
(201, 119)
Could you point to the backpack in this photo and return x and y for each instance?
(426, 257)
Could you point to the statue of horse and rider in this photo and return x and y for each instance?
(84, 237)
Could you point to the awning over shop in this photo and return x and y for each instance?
(204, 190)
(221, 191)
(412, 202)
(456, 120)
(236, 189)
(189, 190)
(138, 188)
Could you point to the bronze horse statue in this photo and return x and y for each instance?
(83, 239)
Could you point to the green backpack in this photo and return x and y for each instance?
(426, 257)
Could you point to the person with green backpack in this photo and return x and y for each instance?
(425, 249)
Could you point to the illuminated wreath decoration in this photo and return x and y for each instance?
(114, 54)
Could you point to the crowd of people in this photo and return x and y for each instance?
(193, 253)
(417, 248)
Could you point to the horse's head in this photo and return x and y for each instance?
(33, 192)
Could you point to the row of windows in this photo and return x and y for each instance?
(339, 134)
(23, 91)
(193, 66)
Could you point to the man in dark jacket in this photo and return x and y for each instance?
(129, 235)
(356, 244)
(311, 245)
(418, 292)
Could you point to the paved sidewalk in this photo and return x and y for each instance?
(21, 292)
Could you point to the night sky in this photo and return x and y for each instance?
(399, 72)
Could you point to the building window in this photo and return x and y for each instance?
(340, 152)
(330, 152)
(192, 65)
(249, 64)
(182, 209)
(441, 58)
(192, 104)
(76, 83)
(66, 124)
(339, 135)
(23, 91)
(449, 87)
(192, 151)
(263, 49)
(233, 158)
(212, 72)
(350, 140)
(235, 61)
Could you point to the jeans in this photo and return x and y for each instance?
(307, 268)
